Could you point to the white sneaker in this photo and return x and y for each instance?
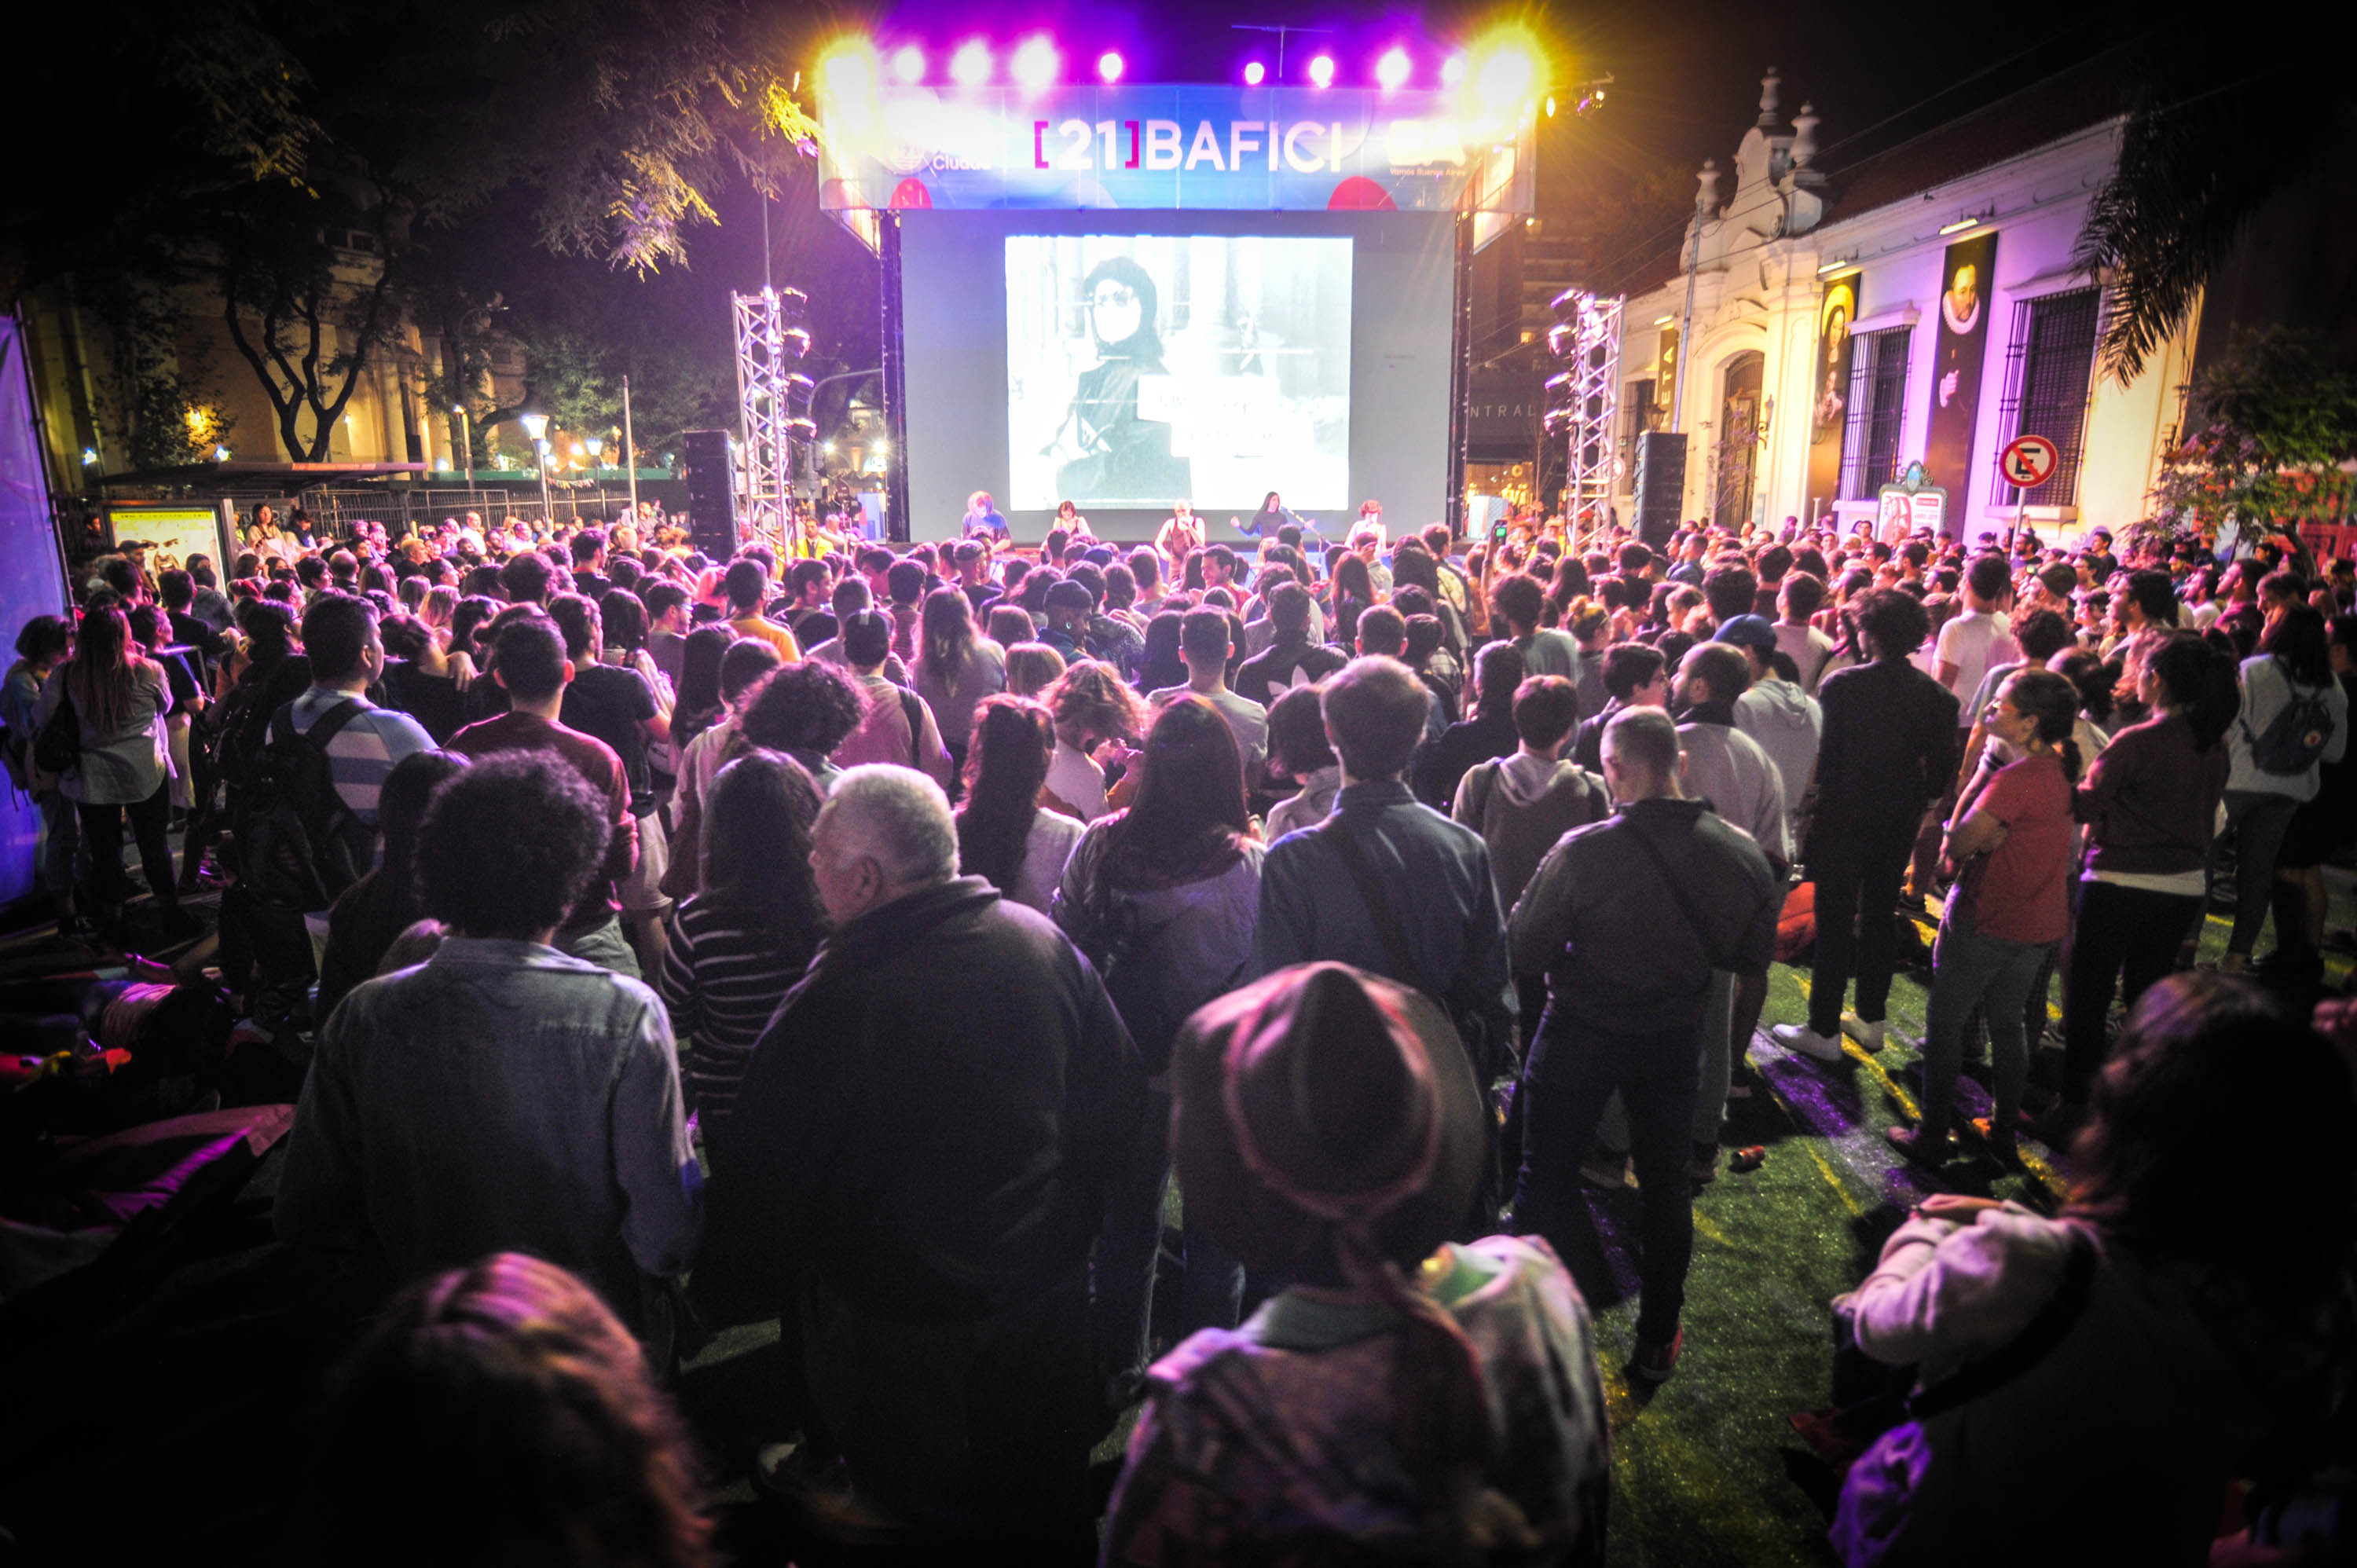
(1807, 1041)
(1868, 1036)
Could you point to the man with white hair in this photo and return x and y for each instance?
(916, 1168)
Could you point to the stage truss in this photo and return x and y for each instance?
(773, 398)
(1583, 400)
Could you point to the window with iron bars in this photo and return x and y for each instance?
(1877, 408)
(2047, 366)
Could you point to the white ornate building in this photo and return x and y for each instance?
(1812, 304)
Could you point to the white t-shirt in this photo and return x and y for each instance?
(1074, 778)
(1971, 642)
(1045, 850)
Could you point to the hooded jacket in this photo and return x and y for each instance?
(1728, 768)
(1521, 805)
(1788, 724)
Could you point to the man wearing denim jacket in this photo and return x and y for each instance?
(501, 1096)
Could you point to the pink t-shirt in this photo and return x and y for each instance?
(2018, 892)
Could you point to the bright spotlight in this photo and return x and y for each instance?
(970, 67)
(1035, 63)
(1503, 71)
(908, 65)
(1321, 71)
(1452, 71)
(1391, 71)
(850, 69)
(1109, 66)
(1255, 73)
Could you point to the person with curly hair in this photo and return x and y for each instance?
(804, 711)
(497, 1413)
(1096, 717)
(501, 1096)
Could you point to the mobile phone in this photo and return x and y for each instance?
(1498, 532)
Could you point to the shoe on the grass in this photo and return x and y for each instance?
(1807, 1041)
(1923, 1148)
(1655, 1362)
(1705, 1163)
(1868, 1036)
(1998, 1141)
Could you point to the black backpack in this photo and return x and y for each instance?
(299, 845)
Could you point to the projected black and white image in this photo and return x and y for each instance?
(1144, 369)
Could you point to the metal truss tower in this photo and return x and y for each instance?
(774, 398)
(1583, 399)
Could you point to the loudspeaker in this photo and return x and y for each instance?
(1661, 485)
(705, 469)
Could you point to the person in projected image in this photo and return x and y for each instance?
(1109, 452)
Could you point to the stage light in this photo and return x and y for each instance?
(850, 68)
(1391, 70)
(1109, 66)
(1503, 74)
(1960, 225)
(1452, 71)
(1321, 71)
(971, 66)
(1035, 64)
(1550, 105)
(1254, 73)
(879, 448)
(908, 65)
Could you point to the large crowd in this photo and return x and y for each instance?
(871, 939)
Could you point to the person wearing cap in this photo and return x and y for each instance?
(1402, 1399)
(1634, 920)
(916, 1169)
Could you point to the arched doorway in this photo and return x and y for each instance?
(1739, 444)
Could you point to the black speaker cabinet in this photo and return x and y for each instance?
(1661, 485)
(710, 478)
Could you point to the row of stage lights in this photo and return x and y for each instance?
(1501, 72)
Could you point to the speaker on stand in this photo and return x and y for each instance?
(709, 473)
(1661, 485)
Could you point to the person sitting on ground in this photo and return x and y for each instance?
(503, 1095)
(2091, 1386)
(1297, 747)
(499, 1413)
(1005, 835)
(373, 911)
(744, 938)
(934, 1242)
(1401, 1400)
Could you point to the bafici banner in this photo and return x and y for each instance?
(1172, 148)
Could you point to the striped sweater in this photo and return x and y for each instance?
(722, 976)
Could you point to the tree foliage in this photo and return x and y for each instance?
(2268, 427)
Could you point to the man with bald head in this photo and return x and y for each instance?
(915, 1170)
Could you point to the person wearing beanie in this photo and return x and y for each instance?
(1403, 1398)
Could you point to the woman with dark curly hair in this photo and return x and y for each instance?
(1096, 715)
(2089, 1384)
(1005, 835)
(740, 944)
(500, 1414)
(805, 711)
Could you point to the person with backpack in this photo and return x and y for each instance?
(2294, 716)
(99, 725)
(1521, 804)
(895, 726)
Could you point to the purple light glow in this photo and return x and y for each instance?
(1255, 74)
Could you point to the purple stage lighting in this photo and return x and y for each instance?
(908, 65)
(1255, 74)
(1321, 71)
(1391, 70)
(970, 67)
(1109, 66)
(1035, 63)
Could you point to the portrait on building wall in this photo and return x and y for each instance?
(1829, 417)
(1967, 275)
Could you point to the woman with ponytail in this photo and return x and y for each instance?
(2010, 837)
(1405, 1399)
(1004, 836)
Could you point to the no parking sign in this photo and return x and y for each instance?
(2028, 461)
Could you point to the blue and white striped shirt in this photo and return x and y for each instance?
(365, 751)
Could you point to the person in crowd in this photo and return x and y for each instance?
(957, 669)
(1206, 643)
(364, 921)
(802, 713)
(1981, 637)
(620, 706)
(1516, 604)
(121, 769)
(43, 643)
(744, 664)
(1782, 719)
(904, 585)
(2295, 717)
(1032, 669)
(2148, 803)
(1007, 625)
(1488, 732)
(746, 587)
(502, 1096)
(423, 681)
(1096, 715)
(1005, 835)
(1350, 594)
(748, 934)
(1404, 1398)
(1521, 804)
(1297, 747)
(1636, 675)
(1633, 920)
(623, 634)
(2012, 836)
(1291, 658)
(1889, 752)
(895, 725)
(668, 627)
(500, 1413)
(936, 1255)
(1386, 883)
(1723, 764)
(1162, 897)
(701, 702)
(2188, 1309)
(2319, 831)
(529, 665)
(1159, 665)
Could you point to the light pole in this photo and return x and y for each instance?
(597, 444)
(466, 449)
(535, 426)
(630, 452)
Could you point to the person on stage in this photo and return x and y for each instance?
(1273, 515)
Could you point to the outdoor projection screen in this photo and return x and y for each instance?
(1207, 357)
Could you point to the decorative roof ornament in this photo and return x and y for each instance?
(1706, 192)
(1770, 96)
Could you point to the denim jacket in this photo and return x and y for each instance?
(500, 1095)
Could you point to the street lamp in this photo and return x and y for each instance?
(535, 425)
(467, 447)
